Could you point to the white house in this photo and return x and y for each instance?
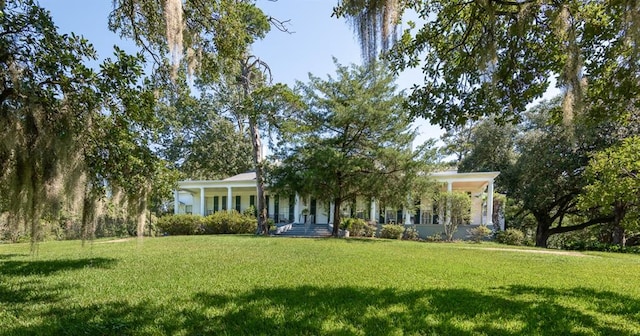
(239, 192)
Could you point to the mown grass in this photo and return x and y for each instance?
(245, 285)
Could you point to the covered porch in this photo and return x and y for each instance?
(205, 197)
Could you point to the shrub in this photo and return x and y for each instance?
(180, 225)
(358, 227)
(392, 231)
(410, 234)
(436, 237)
(229, 222)
(346, 223)
(510, 236)
(478, 233)
(250, 211)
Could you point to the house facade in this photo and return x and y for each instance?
(239, 193)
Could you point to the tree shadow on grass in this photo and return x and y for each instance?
(21, 282)
(48, 267)
(309, 310)
(12, 255)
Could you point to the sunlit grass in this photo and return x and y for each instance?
(275, 286)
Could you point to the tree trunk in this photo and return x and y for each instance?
(542, 232)
(337, 203)
(263, 226)
(617, 231)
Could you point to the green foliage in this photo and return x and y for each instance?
(229, 222)
(491, 148)
(250, 211)
(479, 233)
(354, 139)
(204, 31)
(410, 234)
(391, 231)
(221, 222)
(493, 58)
(434, 238)
(71, 133)
(614, 183)
(199, 138)
(510, 236)
(589, 240)
(181, 224)
(361, 228)
(346, 223)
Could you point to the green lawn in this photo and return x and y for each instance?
(245, 285)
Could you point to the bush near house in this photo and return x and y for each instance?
(392, 231)
(358, 227)
(477, 234)
(229, 222)
(180, 225)
(222, 222)
(510, 236)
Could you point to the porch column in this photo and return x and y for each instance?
(373, 213)
(407, 211)
(490, 203)
(202, 210)
(296, 209)
(229, 201)
(176, 202)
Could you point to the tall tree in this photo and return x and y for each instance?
(200, 31)
(614, 176)
(69, 130)
(203, 136)
(353, 139)
(548, 175)
(495, 57)
(261, 105)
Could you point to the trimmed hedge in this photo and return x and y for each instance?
(180, 225)
(222, 222)
(358, 227)
(229, 222)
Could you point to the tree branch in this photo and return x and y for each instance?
(280, 25)
(600, 220)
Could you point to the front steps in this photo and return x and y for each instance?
(305, 230)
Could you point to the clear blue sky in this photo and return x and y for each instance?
(317, 38)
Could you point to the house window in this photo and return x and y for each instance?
(188, 209)
(215, 203)
(391, 217)
(238, 199)
(224, 202)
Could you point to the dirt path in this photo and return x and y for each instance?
(122, 240)
(567, 253)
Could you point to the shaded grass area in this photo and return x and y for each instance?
(223, 285)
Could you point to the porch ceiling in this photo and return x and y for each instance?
(219, 190)
(471, 186)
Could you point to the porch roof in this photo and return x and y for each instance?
(242, 180)
(475, 181)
